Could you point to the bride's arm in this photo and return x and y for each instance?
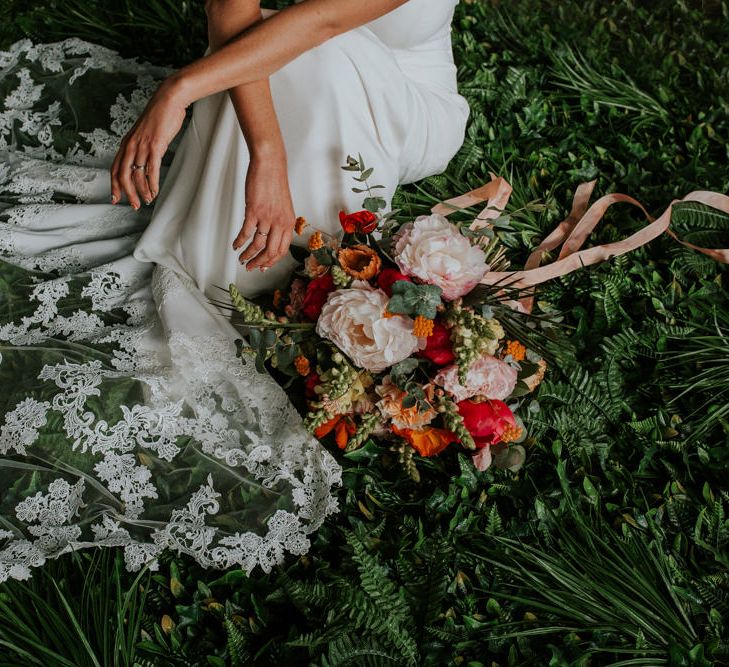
(268, 205)
(254, 55)
(268, 46)
(252, 102)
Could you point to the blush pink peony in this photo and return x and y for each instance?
(434, 251)
(354, 320)
(487, 376)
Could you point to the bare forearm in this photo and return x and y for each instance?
(252, 101)
(269, 45)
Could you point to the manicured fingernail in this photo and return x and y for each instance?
(264, 269)
(114, 199)
(147, 201)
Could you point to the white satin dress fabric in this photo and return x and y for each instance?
(386, 90)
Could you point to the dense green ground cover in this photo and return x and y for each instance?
(611, 545)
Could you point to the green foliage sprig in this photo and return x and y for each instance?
(472, 335)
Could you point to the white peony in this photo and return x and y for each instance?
(487, 376)
(434, 251)
(354, 320)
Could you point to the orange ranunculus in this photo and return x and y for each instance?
(428, 441)
(343, 428)
(361, 222)
(360, 262)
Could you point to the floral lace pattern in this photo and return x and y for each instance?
(131, 422)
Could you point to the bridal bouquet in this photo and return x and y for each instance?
(389, 340)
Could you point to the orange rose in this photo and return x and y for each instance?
(360, 262)
(428, 441)
(391, 407)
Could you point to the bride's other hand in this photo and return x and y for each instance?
(269, 214)
(136, 167)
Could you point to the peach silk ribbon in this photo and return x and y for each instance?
(573, 231)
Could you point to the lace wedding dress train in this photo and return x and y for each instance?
(127, 417)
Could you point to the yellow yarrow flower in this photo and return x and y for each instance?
(301, 363)
(422, 327)
(515, 349)
(316, 241)
(300, 224)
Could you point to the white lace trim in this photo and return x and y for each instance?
(21, 425)
(74, 57)
(195, 387)
(214, 379)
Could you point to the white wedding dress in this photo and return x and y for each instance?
(128, 420)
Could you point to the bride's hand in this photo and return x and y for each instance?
(269, 215)
(137, 163)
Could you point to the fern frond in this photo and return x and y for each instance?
(236, 643)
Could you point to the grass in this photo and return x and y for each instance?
(611, 546)
(84, 610)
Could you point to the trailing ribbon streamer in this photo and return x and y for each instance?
(574, 230)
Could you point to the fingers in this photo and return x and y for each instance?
(283, 247)
(136, 184)
(139, 174)
(270, 255)
(115, 186)
(154, 163)
(125, 173)
(255, 247)
(246, 231)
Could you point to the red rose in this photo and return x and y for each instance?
(388, 277)
(487, 421)
(316, 295)
(362, 222)
(312, 380)
(438, 347)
